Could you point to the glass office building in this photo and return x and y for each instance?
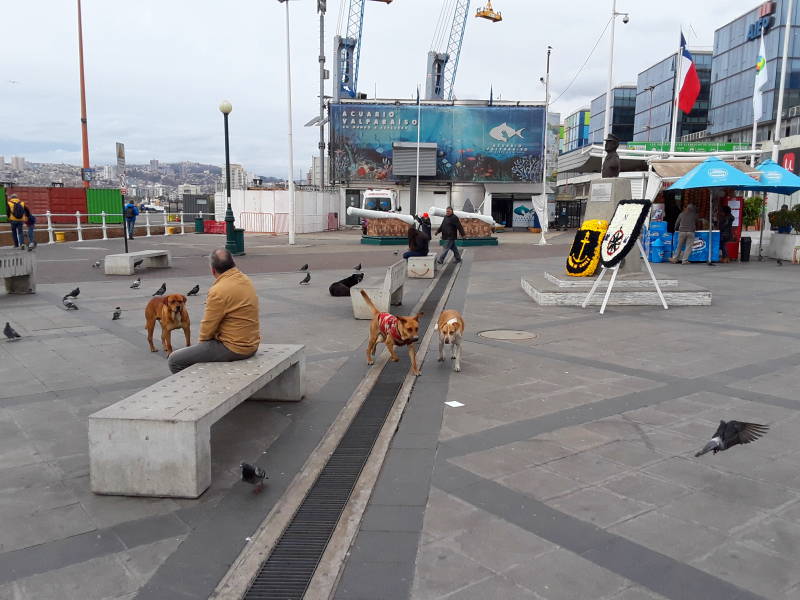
(733, 73)
(623, 109)
(655, 92)
(576, 130)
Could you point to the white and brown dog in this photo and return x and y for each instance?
(451, 331)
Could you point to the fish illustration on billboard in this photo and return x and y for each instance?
(504, 133)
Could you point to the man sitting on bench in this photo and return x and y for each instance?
(230, 327)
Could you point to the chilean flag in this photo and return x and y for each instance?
(689, 82)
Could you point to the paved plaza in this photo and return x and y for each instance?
(568, 473)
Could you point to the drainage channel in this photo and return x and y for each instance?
(287, 572)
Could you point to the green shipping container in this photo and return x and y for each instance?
(109, 201)
(3, 217)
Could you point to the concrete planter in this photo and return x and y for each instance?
(782, 245)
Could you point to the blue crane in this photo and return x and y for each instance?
(348, 49)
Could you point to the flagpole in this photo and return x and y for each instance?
(776, 138)
(678, 72)
(755, 116)
(419, 118)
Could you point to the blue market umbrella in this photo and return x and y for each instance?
(777, 180)
(714, 172)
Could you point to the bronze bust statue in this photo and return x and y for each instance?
(611, 163)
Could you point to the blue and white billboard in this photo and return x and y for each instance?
(475, 143)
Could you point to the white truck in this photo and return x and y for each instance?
(380, 200)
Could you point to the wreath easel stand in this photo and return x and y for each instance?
(615, 270)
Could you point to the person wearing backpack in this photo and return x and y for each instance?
(131, 212)
(17, 214)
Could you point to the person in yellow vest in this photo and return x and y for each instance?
(18, 214)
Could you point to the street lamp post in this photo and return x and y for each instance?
(230, 234)
(625, 19)
(291, 150)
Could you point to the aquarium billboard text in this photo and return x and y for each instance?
(475, 143)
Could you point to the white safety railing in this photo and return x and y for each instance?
(83, 222)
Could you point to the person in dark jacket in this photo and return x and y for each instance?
(131, 212)
(450, 228)
(417, 242)
(425, 225)
(725, 232)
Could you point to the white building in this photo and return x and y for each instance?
(18, 163)
(188, 188)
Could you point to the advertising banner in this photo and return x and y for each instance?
(475, 143)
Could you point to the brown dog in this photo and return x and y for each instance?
(392, 331)
(171, 312)
(451, 332)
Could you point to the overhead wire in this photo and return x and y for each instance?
(591, 52)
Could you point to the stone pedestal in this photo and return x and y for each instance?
(604, 196)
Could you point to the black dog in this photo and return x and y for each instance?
(342, 288)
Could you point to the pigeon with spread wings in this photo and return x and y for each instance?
(731, 433)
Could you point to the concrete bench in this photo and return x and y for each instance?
(158, 441)
(422, 267)
(18, 270)
(122, 264)
(384, 291)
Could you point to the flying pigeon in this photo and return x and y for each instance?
(303, 268)
(193, 291)
(117, 314)
(74, 293)
(160, 291)
(253, 475)
(10, 332)
(732, 433)
(96, 264)
(69, 304)
(306, 279)
(357, 268)
(136, 284)
(138, 263)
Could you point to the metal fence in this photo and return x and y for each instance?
(146, 221)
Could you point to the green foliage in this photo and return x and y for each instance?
(752, 210)
(785, 218)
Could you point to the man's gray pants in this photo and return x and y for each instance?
(449, 245)
(684, 237)
(208, 351)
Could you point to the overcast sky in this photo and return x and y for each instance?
(156, 70)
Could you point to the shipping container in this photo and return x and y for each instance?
(37, 199)
(64, 202)
(110, 201)
(3, 217)
(193, 204)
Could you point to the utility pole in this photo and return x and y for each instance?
(321, 8)
(84, 129)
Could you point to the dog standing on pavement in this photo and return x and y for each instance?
(171, 312)
(451, 331)
(392, 331)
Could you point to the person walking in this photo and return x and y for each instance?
(450, 228)
(31, 223)
(131, 212)
(685, 225)
(17, 214)
(725, 232)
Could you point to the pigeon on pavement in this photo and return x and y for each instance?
(96, 264)
(138, 263)
(160, 291)
(303, 268)
(732, 433)
(117, 314)
(69, 304)
(74, 293)
(193, 291)
(396, 253)
(136, 284)
(306, 280)
(10, 332)
(253, 475)
(357, 268)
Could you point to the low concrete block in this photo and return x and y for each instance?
(122, 264)
(422, 267)
(18, 270)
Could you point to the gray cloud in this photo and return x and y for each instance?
(156, 71)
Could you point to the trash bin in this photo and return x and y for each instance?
(238, 236)
(744, 254)
(198, 225)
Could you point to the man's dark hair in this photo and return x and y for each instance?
(221, 260)
(449, 208)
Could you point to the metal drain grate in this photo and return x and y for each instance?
(288, 570)
(511, 335)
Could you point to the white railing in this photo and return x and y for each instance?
(81, 223)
